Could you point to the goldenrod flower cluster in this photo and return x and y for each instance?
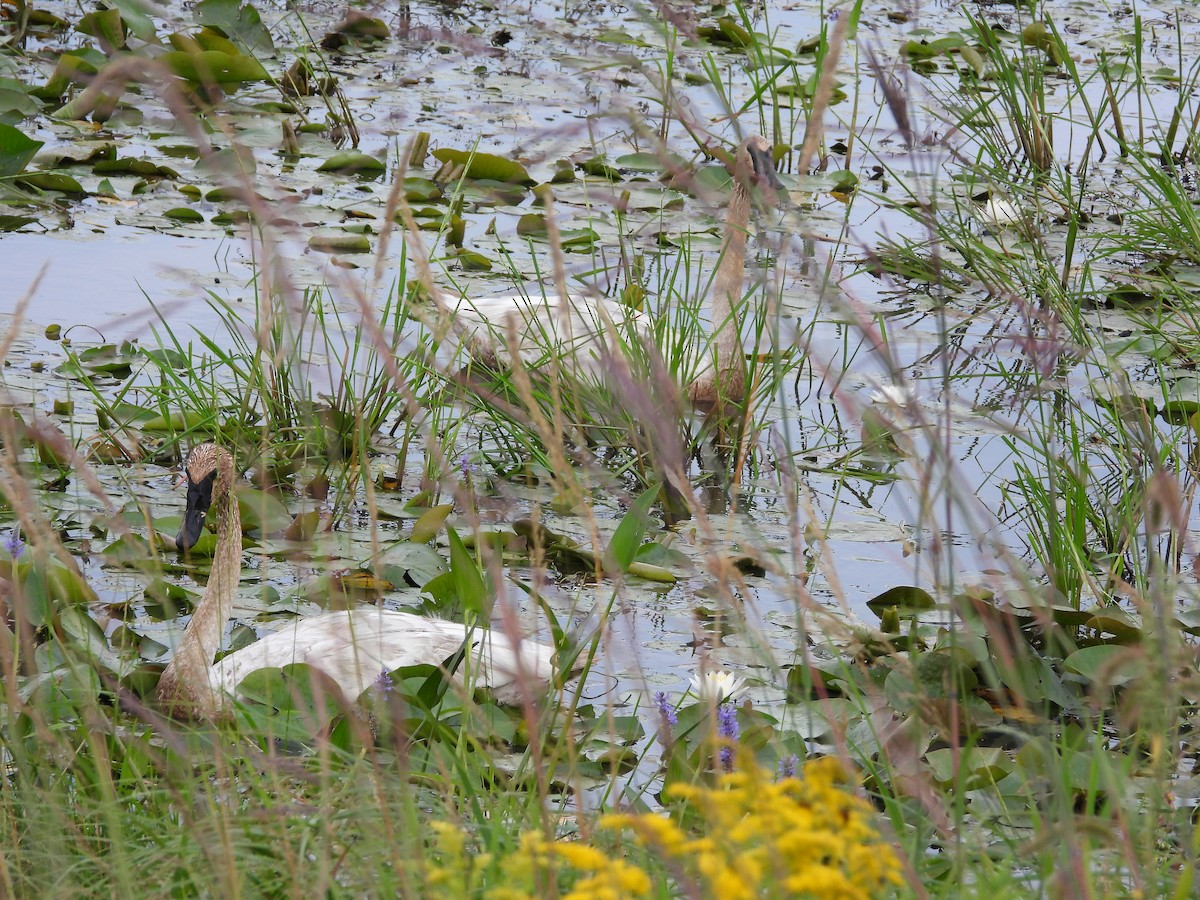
(798, 837)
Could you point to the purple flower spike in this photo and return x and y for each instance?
(787, 766)
(666, 712)
(14, 545)
(728, 730)
(383, 682)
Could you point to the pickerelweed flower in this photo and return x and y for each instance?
(666, 712)
(787, 766)
(383, 682)
(716, 686)
(728, 731)
(13, 544)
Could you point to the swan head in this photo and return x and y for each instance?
(754, 167)
(203, 469)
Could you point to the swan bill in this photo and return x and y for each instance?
(762, 163)
(199, 499)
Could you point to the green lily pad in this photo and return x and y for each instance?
(183, 214)
(353, 162)
(1109, 664)
(341, 242)
(906, 598)
(16, 150)
(485, 166)
(214, 67)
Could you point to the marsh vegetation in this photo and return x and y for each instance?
(936, 556)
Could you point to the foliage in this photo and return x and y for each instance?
(752, 837)
(972, 335)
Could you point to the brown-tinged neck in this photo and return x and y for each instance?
(185, 687)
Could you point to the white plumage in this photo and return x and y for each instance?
(353, 647)
(574, 330)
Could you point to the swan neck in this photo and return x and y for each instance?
(726, 381)
(185, 684)
(731, 273)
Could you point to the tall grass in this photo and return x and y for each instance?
(1016, 708)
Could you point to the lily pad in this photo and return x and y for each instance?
(214, 67)
(484, 166)
(16, 150)
(354, 163)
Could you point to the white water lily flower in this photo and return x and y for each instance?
(892, 394)
(717, 686)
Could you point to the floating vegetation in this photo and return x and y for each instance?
(913, 610)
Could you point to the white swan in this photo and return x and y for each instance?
(574, 330)
(351, 647)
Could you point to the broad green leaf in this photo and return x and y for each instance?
(652, 162)
(51, 181)
(213, 66)
(468, 580)
(106, 26)
(16, 150)
(1110, 664)
(183, 214)
(485, 165)
(429, 525)
(626, 540)
(242, 24)
(905, 597)
(353, 162)
(15, 223)
(340, 243)
(137, 17)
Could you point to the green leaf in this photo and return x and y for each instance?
(213, 66)
(434, 687)
(652, 162)
(626, 540)
(468, 580)
(1109, 664)
(16, 150)
(243, 24)
(51, 181)
(473, 262)
(532, 225)
(353, 162)
(15, 223)
(183, 214)
(485, 165)
(906, 597)
(340, 243)
(136, 18)
(261, 512)
(429, 525)
(106, 26)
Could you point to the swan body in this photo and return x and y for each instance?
(539, 325)
(576, 328)
(351, 647)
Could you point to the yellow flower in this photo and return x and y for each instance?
(760, 837)
(754, 837)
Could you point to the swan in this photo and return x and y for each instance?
(574, 328)
(351, 647)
